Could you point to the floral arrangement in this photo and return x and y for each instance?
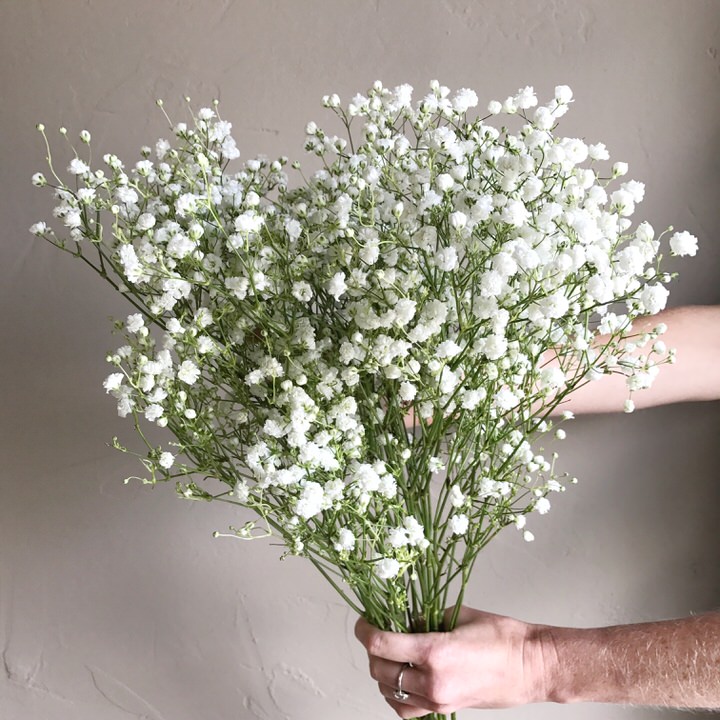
(368, 359)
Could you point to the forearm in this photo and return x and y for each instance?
(694, 331)
(673, 663)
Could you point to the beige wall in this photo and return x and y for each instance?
(115, 601)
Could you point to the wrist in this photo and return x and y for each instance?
(540, 664)
(574, 666)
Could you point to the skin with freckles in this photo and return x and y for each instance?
(492, 661)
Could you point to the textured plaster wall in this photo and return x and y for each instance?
(115, 601)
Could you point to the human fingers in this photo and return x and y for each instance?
(411, 707)
(387, 673)
(400, 647)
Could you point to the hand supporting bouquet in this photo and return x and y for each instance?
(436, 268)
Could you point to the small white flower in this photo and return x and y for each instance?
(166, 460)
(623, 201)
(403, 96)
(113, 381)
(126, 195)
(619, 169)
(457, 499)
(387, 568)
(366, 478)
(576, 151)
(337, 286)
(293, 228)
(415, 532)
(180, 246)
(554, 305)
(73, 219)
(472, 398)
(683, 243)
(458, 220)
(241, 491)
(448, 380)
(370, 253)
(444, 182)
(86, 195)
(636, 189)
(542, 505)
(654, 298)
(311, 500)
(162, 147)
(144, 167)
(203, 317)
(448, 349)
(397, 537)
(205, 345)
(238, 286)
(407, 391)
(629, 406)
(135, 322)
(528, 536)
(464, 100)
(435, 465)
(345, 541)
(145, 221)
(248, 222)
(459, 524)
(404, 311)
(510, 105)
(598, 151)
(526, 98)
(78, 167)
(543, 118)
(506, 399)
(186, 204)
(188, 372)
(515, 213)
(153, 412)
(446, 258)
(552, 377)
(39, 228)
(302, 291)
(563, 94)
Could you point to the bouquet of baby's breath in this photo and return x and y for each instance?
(366, 359)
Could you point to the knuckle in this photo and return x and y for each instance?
(439, 690)
(375, 644)
(434, 653)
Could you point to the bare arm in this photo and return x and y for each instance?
(672, 663)
(491, 661)
(694, 331)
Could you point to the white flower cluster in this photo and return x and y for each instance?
(437, 266)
